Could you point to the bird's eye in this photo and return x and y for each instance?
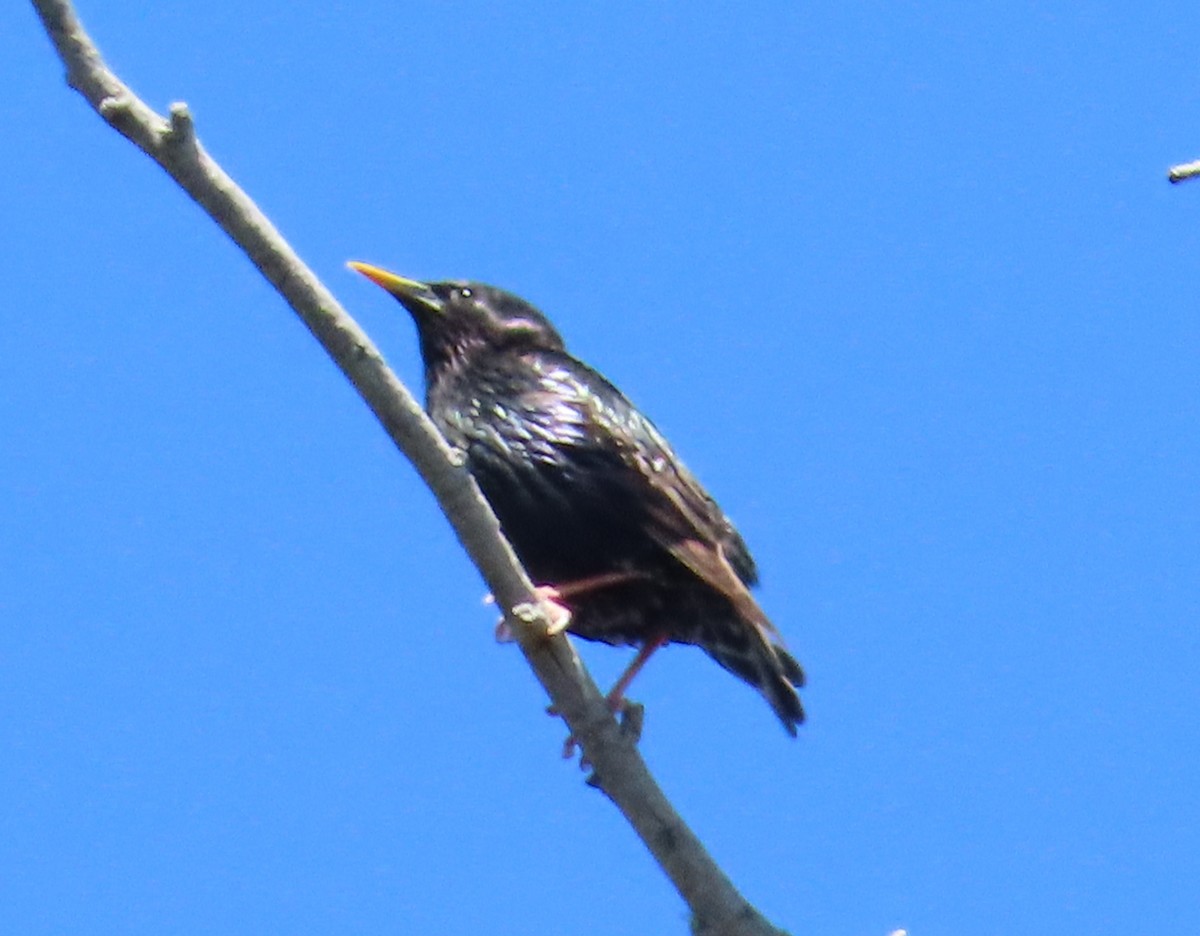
(465, 292)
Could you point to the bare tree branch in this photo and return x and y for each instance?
(717, 907)
(1184, 171)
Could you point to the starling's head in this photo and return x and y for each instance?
(456, 319)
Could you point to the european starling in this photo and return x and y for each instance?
(592, 498)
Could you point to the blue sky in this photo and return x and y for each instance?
(903, 283)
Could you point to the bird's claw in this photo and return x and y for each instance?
(557, 615)
(504, 632)
(631, 717)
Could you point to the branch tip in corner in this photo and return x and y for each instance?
(1183, 172)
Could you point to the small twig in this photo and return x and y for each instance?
(717, 907)
(1184, 171)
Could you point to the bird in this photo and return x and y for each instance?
(602, 513)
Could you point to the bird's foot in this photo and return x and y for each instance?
(630, 715)
(558, 615)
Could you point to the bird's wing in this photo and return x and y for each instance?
(680, 516)
(687, 522)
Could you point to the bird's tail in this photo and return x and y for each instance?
(764, 664)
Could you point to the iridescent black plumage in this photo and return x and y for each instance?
(585, 486)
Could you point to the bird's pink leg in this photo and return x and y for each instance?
(616, 695)
(597, 582)
(560, 614)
